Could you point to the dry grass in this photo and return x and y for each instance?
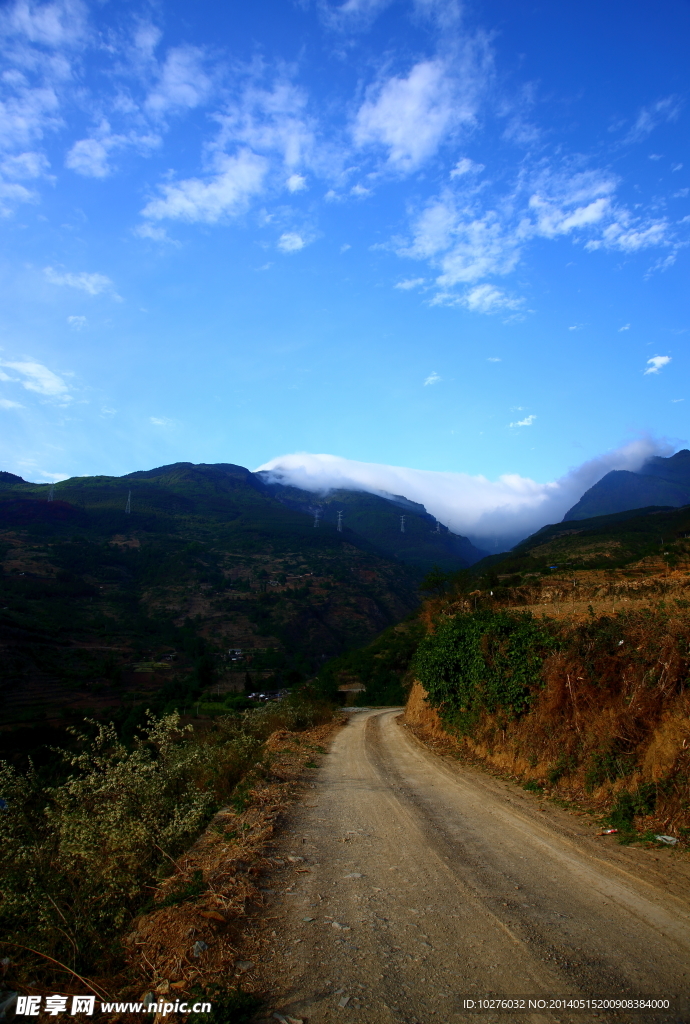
(232, 856)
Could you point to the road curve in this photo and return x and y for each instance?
(426, 884)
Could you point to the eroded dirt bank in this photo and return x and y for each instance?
(406, 883)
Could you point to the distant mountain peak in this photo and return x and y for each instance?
(660, 481)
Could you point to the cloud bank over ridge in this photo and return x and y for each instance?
(489, 511)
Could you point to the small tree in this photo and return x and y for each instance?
(435, 582)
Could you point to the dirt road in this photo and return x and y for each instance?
(425, 884)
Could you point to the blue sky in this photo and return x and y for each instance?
(422, 234)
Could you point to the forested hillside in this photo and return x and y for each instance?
(151, 590)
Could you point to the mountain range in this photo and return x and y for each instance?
(118, 593)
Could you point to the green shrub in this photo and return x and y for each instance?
(628, 805)
(533, 787)
(607, 766)
(485, 660)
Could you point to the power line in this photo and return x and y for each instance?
(340, 522)
(128, 506)
(51, 492)
(402, 524)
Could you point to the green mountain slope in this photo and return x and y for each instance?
(603, 542)
(659, 482)
(103, 609)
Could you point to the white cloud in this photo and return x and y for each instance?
(40, 379)
(88, 157)
(345, 247)
(182, 84)
(625, 327)
(61, 23)
(225, 194)
(631, 234)
(510, 507)
(360, 190)
(11, 194)
(352, 14)
(5, 403)
(475, 246)
(160, 421)
(410, 117)
(410, 282)
(652, 116)
(155, 233)
(433, 378)
(25, 165)
(93, 284)
(272, 122)
(655, 156)
(676, 167)
(674, 400)
(485, 298)
(296, 183)
(77, 322)
(494, 359)
(290, 241)
(564, 202)
(527, 422)
(657, 363)
(466, 166)
(55, 477)
(468, 236)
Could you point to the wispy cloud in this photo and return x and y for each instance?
(657, 363)
(625, 327)
(485, 298)
(92, 157)
(78, 323)
(650, 117)
(470, 235)
(409, 283)
(92, 284)
(182, 82)
(6, 403)
(39, 379)
(466, 166)
(226, 193)
(433, 378)
(527, 422)
(161, 421)
(494, 359)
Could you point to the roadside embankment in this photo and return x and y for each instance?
(590, 711)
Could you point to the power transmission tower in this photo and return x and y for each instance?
(438, 526)
(317, 517)
(340, 522)
(51, 492)
(402, 524)
(128, 506)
